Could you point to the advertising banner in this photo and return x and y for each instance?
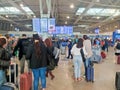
(51, 25)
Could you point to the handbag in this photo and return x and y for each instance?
(51, 65)
(4, 63)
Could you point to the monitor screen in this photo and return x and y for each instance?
(36, 24)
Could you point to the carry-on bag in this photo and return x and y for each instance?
(90, 73)
(13, 71)
(6, 87)
(117, 81)
(96, 58)
(26, 81)
(12, 81)
(118, 59)
(103, 55)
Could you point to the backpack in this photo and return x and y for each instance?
(118, 46)
(4, 58)
(25, 44)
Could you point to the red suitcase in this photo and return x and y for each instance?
(118, 60)
(26, 81)
(103, 55)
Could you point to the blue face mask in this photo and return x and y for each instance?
(76, 40)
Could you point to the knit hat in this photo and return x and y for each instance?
(36, 36)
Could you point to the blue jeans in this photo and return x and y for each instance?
(87, 61)
(39, 73)
(2, 77)
(77, 61)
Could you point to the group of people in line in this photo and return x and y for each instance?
(39, 55)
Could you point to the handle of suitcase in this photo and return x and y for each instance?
(12, 70)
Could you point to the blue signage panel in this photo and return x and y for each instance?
(36, 24)
(70, 31)
(44, 24)
(97, 31)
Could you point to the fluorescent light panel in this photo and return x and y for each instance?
(13, 10)
(99, 11)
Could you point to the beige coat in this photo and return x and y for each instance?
(88, 47)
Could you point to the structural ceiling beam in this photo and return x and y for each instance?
(84, 12)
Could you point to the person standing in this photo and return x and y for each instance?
(88, 48)
(21, 46)
(77, 59)
(37, 56)
(69, 49)
(4, 55)
(51, 57)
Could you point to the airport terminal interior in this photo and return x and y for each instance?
(64, 23)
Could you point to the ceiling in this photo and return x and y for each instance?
(91, 13)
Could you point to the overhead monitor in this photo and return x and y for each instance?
(36, 24)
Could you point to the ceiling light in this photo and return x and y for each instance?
(98, 17)
(11, 25)
(112, 18)
(99, 26)
(6, 16)
(116, 26)
(68, 17)
(71, 6)
(21, 5)
(34, 16)
(66, 22)
(97, 0)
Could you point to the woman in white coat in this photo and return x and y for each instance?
(77, 59)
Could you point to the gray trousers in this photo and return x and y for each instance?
(22, 64)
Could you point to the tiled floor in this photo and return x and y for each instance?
(104, 76)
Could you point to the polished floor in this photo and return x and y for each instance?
(104, 75)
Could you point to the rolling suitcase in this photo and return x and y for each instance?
(118, 59)
(90, 73)
(103, 55)
(12, 81)
(5, 87)
(117, 81)
(26, 81)
(13, 73)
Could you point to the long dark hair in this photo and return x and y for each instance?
(37, 46)
(48, 42)
(80, 43)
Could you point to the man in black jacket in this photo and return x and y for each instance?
(22, 48)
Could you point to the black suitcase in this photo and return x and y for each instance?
(117, 81)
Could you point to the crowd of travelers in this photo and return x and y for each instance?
(43, 56)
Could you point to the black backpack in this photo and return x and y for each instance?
(25, 44)
(118, 46)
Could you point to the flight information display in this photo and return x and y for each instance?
(44, 24)
(64, 30)
(36, 24)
